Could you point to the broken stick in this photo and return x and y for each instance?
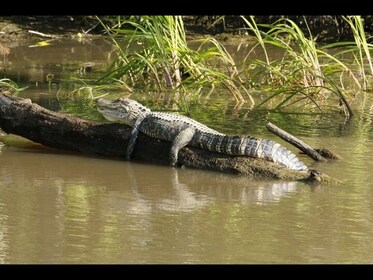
(307, 149)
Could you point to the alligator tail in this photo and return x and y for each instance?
(250, 146)
(272, 151)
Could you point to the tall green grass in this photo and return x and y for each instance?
(153, 54)
(359, 49)
(306, 73)
(9, 85)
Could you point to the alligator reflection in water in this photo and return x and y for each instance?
(182, 190)
(151, 195)
(85, 203)
(234, 188)
(149, 187)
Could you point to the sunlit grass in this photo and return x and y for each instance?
(306, 72)
(360, 50)
(155, 57)
(9, 85)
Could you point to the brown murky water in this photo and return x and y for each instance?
(57, 207)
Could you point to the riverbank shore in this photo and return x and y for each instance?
(323, 28)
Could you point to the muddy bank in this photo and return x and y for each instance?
(19, 27)
(324, 28)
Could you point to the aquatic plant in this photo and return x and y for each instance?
(153, 54)
(305, 72)
(359, 49)
(4, 51)
(9, 85)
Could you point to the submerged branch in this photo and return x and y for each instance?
(24, 118)
(328, 154)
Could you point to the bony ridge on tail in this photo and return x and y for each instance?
(182, 131)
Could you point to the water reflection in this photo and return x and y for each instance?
(69, 208)
(168, 189)
(4, 248)
(62, 59)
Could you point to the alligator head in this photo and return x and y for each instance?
(122, 110)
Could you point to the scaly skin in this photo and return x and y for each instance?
(182, 131)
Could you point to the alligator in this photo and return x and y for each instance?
(183, 131)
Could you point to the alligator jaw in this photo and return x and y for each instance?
(103, 103)
(109, 110)
(109, 115)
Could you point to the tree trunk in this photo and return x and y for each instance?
(52, 129)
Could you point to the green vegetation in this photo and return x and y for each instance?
(284, 66)
(5, 83)
(153, 55)
(9, 85)
(156, 57)
(307, 73)
(360, 50)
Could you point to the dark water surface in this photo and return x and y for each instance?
(57, 207)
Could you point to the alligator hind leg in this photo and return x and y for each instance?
(180, 141)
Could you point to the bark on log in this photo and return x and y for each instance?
(24, 118)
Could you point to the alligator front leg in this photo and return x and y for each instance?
(180, 141)
(134, 134)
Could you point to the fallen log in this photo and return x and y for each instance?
(52, 129)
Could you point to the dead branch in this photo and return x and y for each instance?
(307, 149)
